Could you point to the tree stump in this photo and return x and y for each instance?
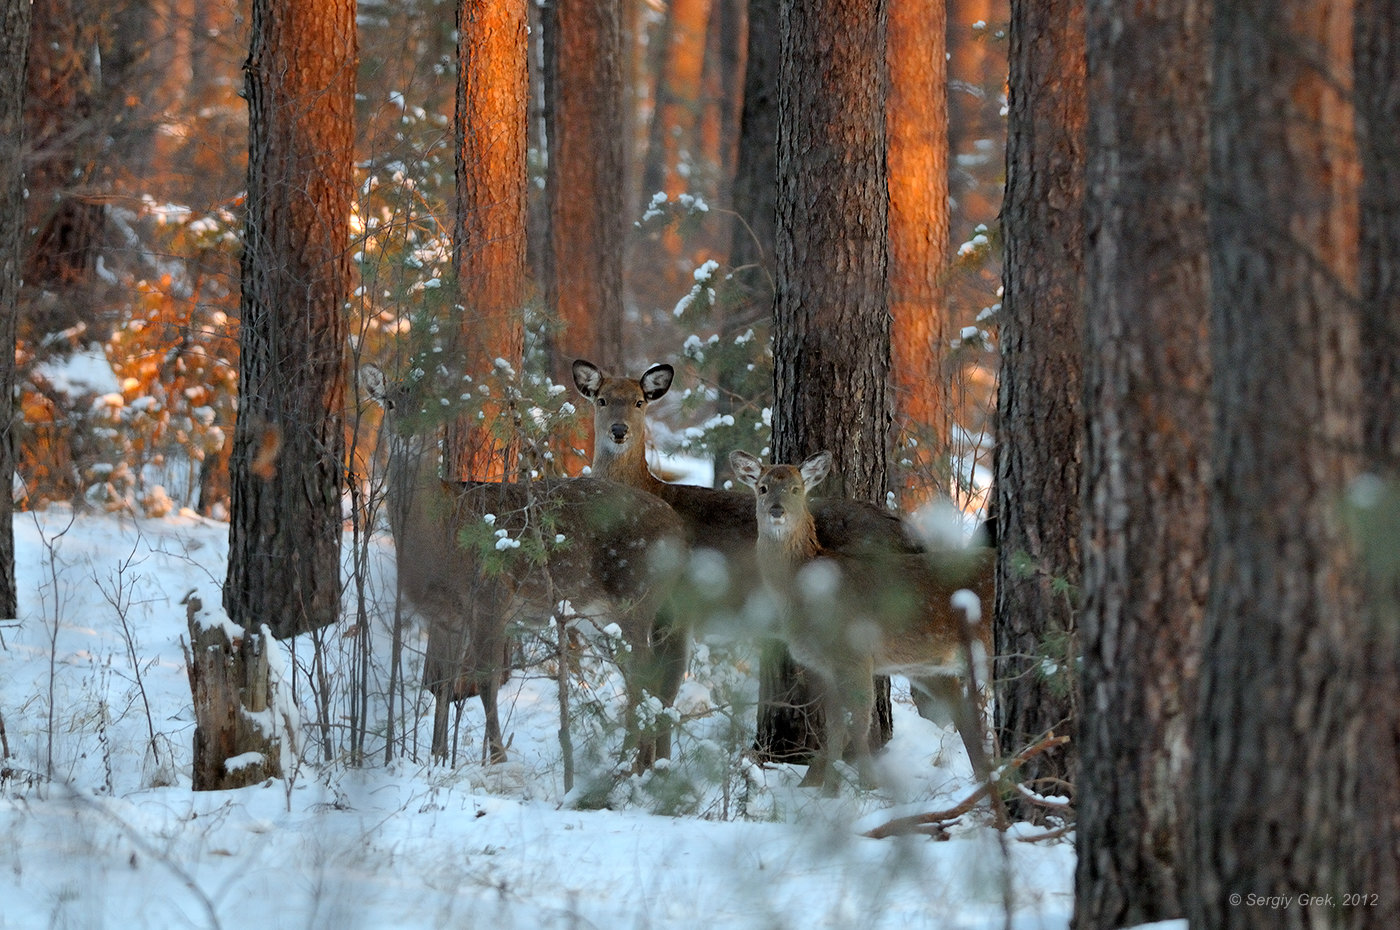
(237, 738)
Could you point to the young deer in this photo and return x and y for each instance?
(718, 520)
(849, 616)
(617, 562)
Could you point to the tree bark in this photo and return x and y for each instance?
(288, 446)
(831, 333)
(1280, 731)
(1039, 412)
(917, 123)
(231, 688)
(490, 231)
(14, 47)
(1375, 860)
(748, 305)
(583, 53)
(1146, 452)
(584, 189)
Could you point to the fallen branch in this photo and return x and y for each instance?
(933, 823)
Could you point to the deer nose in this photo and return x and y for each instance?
(776, 511)
(619, 432)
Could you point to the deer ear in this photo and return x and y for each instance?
(746, 467)
(373, 380)
(656, 382)
(587, 378)
(815, 469)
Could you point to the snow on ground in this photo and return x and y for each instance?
(115, 837)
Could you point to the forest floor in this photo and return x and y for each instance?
(101, 827)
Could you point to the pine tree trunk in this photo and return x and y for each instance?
(1280, 732)
(14, 46)
(584, 189)
(1146, 451)
(831, 339)
(1039, 407)
(1377, 37)
(288, 446)
(749, 303)
(583, 55)
(490, 233)
(917, 123)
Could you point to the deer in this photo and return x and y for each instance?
(613, 554)
(847, 616)
(718, 520)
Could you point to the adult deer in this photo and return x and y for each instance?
(714, 519)
(610, 552)
(847, 616)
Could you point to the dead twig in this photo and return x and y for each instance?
(935, 821)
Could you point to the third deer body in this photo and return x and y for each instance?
(847, 616)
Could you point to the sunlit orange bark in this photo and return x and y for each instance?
(676, 130)
(490, 229)
(917, 126)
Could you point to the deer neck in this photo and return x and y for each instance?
(784, 548)
(413, 472)
(625, 465)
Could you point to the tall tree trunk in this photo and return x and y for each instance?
(1146, 451)
(917, 123)
(1378, 113)
(1281, 731)
(831, 339)
(288, 446)
(1039, 414)
(584, 189)
(1376, 854)
(583, 55)
(490, 237)
(14, 48)
(749, 304)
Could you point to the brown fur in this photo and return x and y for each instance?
(848, 616)
(621, 555)
(722, 521)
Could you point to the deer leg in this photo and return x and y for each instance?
(672, 648)
(858, 693)
(440, 722)
(822, 770)
(639, 672)
(495, 745)
(947, 695)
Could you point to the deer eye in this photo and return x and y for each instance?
(641, 403)
(763, 489)
(602, 402)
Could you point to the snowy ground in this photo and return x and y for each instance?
(115, 837)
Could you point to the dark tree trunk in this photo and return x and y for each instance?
(1280, 731)
(1376, 854)
(584, 129)
(749, 301)
(288, 447)
(1378, 114)
(14, 46)
(831, 334)
(756, 167)
(584, 190)
(1039, 413)
(1146, 451)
